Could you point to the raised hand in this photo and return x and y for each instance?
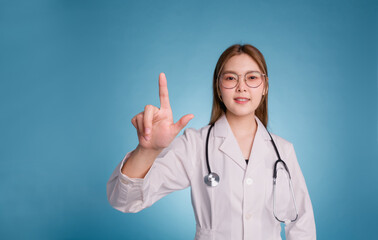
(155, 127)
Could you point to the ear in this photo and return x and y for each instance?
(219, 93)
(220, 97)
(267, 88)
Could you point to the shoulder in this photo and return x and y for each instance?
(284, 146)
(280, 139)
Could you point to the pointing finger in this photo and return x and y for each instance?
(163, 92)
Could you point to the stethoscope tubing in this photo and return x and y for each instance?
(207, 148)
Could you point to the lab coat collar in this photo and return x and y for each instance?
(222, 128)
(231, 148)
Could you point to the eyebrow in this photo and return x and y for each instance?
(229, 71)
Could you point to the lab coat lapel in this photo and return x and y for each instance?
(260, 148)
(230, 146)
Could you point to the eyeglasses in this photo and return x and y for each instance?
(252, 79)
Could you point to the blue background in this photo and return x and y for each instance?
(74, 73)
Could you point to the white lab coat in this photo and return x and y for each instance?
(241, 206)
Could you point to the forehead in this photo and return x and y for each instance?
(240, 64)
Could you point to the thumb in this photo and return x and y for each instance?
(183, 122)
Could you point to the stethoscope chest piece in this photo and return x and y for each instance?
(212, 179)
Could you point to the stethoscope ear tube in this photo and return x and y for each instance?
(286, 221)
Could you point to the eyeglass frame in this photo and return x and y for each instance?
(245, 79)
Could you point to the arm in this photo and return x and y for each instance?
(170, 172)
(158, 165)
(139, 162)
(304, 227)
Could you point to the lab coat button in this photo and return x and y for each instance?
(249, 181)
(248, 216)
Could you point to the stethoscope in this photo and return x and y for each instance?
(212, 179)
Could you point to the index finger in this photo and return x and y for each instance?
(163, 92)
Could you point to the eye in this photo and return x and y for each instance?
(229, 77)
(253, 76)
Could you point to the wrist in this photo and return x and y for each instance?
(147, 152)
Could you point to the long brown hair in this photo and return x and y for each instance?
(218, 106)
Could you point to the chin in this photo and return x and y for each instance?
(240, 113)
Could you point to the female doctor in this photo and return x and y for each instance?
(239, 200)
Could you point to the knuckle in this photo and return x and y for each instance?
(147, 107)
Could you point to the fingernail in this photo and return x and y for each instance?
(148, 130)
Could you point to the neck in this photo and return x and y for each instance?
(242, 125)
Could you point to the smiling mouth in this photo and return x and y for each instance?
(241, 99)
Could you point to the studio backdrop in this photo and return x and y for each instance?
(74, 73)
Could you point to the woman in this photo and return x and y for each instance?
(240, 152)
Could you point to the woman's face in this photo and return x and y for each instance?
(240, 65)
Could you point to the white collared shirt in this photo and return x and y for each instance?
(241, 205)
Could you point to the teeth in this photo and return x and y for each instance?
(242, 100)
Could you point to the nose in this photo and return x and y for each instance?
(241, 87)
